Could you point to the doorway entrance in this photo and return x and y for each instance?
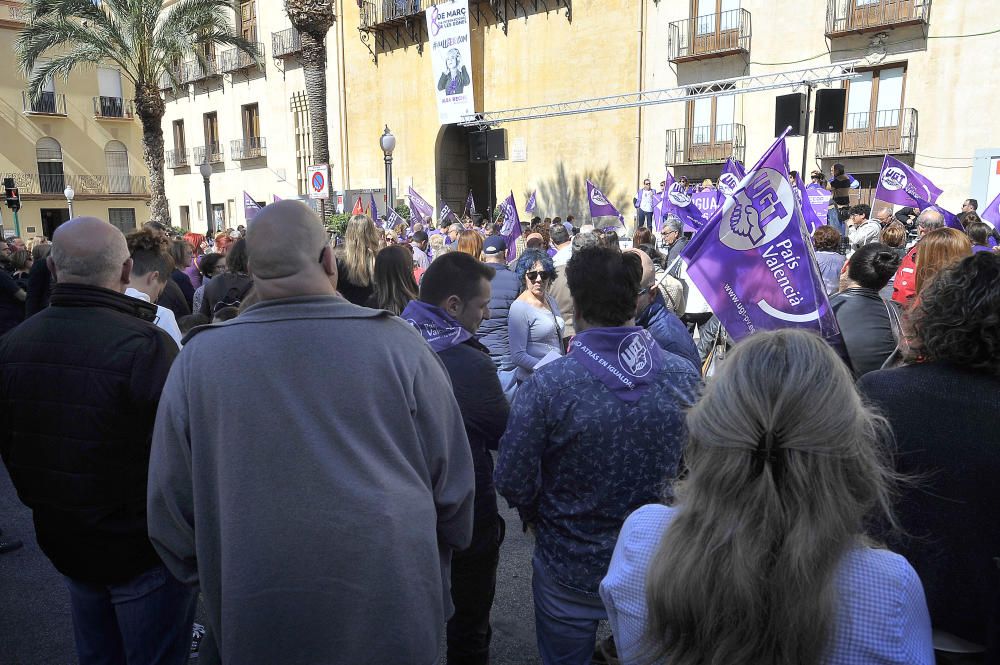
(52, 218)
(456, 174)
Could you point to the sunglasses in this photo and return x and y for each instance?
(533, 275)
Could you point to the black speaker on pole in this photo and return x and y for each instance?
(488, 146)
(477, 147)
(790, 110)
(830, 105)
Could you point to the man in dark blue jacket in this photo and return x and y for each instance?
(504, 289)
(454, 299)
(652, 314)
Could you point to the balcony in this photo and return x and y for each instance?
(706, 145)
(48, 103)
(285, 43)
(382, 13)
(235, 60)
(251, 147)
(210, 154)
(192, 70)
(892, 132)
(175, 159)
(710, 36)
(112, 108)
(51, 185)
(844, 17)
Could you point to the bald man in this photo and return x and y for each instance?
(319, 515)
(82, 380)
(652, 313)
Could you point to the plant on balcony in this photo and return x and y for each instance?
(144, 41)
(313, 19)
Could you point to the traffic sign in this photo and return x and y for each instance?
(319, 181)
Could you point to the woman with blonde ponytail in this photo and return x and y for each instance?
(763, 556)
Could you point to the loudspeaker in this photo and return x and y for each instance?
(488, 146)
(790, 110)
(830, 105)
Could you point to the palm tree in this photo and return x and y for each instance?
(313, 19)
(145, 41)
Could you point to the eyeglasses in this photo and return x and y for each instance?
(533, 275)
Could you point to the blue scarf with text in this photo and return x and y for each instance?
(625, 359)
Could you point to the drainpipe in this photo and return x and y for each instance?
(345, 169)
(638, 132)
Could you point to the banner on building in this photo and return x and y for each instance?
(451, 58)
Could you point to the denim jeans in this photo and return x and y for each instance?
(473, 587)
(644, 218)
(565, 620)
(144, 621)
(833, 219)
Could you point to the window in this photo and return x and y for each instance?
(122, 219)
(706, 12)
(179, 146)
(710, 119)
(211, 126)
(116, 159)
(875, 100)
(48, 154)
(186, 218)
(251, 126)
(303, 139)
(109, 85)
(248, 20)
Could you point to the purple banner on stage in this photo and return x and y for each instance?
(599, 204)
(420, 210)
(678, 202)
(902, 185)
(511, 229)
(753, 261)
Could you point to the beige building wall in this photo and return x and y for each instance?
(69, 116)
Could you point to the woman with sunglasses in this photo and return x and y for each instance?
(534, 323)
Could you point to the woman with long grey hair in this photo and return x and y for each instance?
(763, 556)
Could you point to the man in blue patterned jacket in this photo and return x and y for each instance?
(592, 436)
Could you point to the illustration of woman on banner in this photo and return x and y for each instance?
(456, 77)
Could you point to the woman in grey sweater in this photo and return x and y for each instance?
(534, 323)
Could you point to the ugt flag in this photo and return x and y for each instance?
(250, 207)
(753, 260)
(420, 210)
(599, 204)
(676, 201)
(374, 208)
(446, 213)
(902, 185)
(809, 214)
(393, 219)
(470, 204)
(732, 173)
(511, 229)
(530, 205)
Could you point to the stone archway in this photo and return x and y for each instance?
(455, 174)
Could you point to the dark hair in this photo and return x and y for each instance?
(642, 236)
(838, 169)
(610, 239)
(453, 274)
(419, 236)
(559, 234)
(237, 258)
(186, 323)
(979, 233)
(957, 317)
(861, 209)
(393, 281)
(528, 258)
(148, 249)
(974, 203)
(894, 235)
(604, 284)
(658, 258)
(209, 262)
(873, 265)
(225, 314)
(826, 238)
(20, 259)
(179, 251)
(967, 218)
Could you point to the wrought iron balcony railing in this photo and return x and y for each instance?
(856, 16)
(885, 132)
(709, 36)
(48, 103)
(211, 154)
(235, 59)
(43, 184)
(712, 143)
(175, 159)
(192, 70)
(13, 11)
(285, 43)
(375, 13)
(251, 147)
(113, 107)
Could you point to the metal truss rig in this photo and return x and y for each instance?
(733, 86)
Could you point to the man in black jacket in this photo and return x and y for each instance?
(81, 381)
(454, 299)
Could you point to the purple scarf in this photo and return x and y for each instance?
(440, 330)
(625, 359)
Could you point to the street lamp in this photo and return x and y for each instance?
(206, 173)
(388, 143)
(69, 194)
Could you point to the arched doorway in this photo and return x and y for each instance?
(48, 155)
(116, 160)
(456, 175)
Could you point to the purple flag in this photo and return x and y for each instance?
(420, 210)
(511, 229)
(276, 198)
(599, 204)
(707, 202)
(753, 261)
(678, 202)
(809, 215)
(732, 173)
(819, 200)
(470, 204)
(374, 210)
(446, 212)
(393, 219)
(902, 185)
(250, 207)
(530, 205)
(950, 219)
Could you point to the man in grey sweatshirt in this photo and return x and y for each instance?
(316, 499)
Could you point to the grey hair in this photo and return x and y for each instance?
(930, 219)
(101, 268)
(583, 240)
(782, 472)
(672, 223)
(456, 227)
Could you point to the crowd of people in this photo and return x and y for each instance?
(313, 435)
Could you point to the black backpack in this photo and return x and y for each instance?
(233, 298)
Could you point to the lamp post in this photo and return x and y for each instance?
(69, 194)
(388, 143)
(206, 173)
